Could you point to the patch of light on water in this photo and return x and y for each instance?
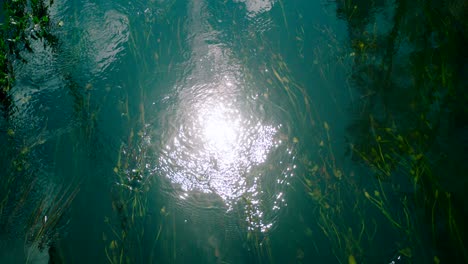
(220, 132)
(215, 148)
(219, 144)
(257, 6)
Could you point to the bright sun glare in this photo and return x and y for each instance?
(220, 131)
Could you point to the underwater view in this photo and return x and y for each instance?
(233, 131)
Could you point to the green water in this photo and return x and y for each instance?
(235, 131)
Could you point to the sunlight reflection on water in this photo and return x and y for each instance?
(215, 147)
(218, 143)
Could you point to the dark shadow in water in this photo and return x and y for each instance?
(411, 80)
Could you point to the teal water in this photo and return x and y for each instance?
(238, 131)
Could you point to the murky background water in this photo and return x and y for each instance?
(238, 131)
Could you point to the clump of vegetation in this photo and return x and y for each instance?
(25, 209)
(24, 21)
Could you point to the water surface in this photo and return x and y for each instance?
(236, 131)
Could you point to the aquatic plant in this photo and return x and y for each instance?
(25, 21)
